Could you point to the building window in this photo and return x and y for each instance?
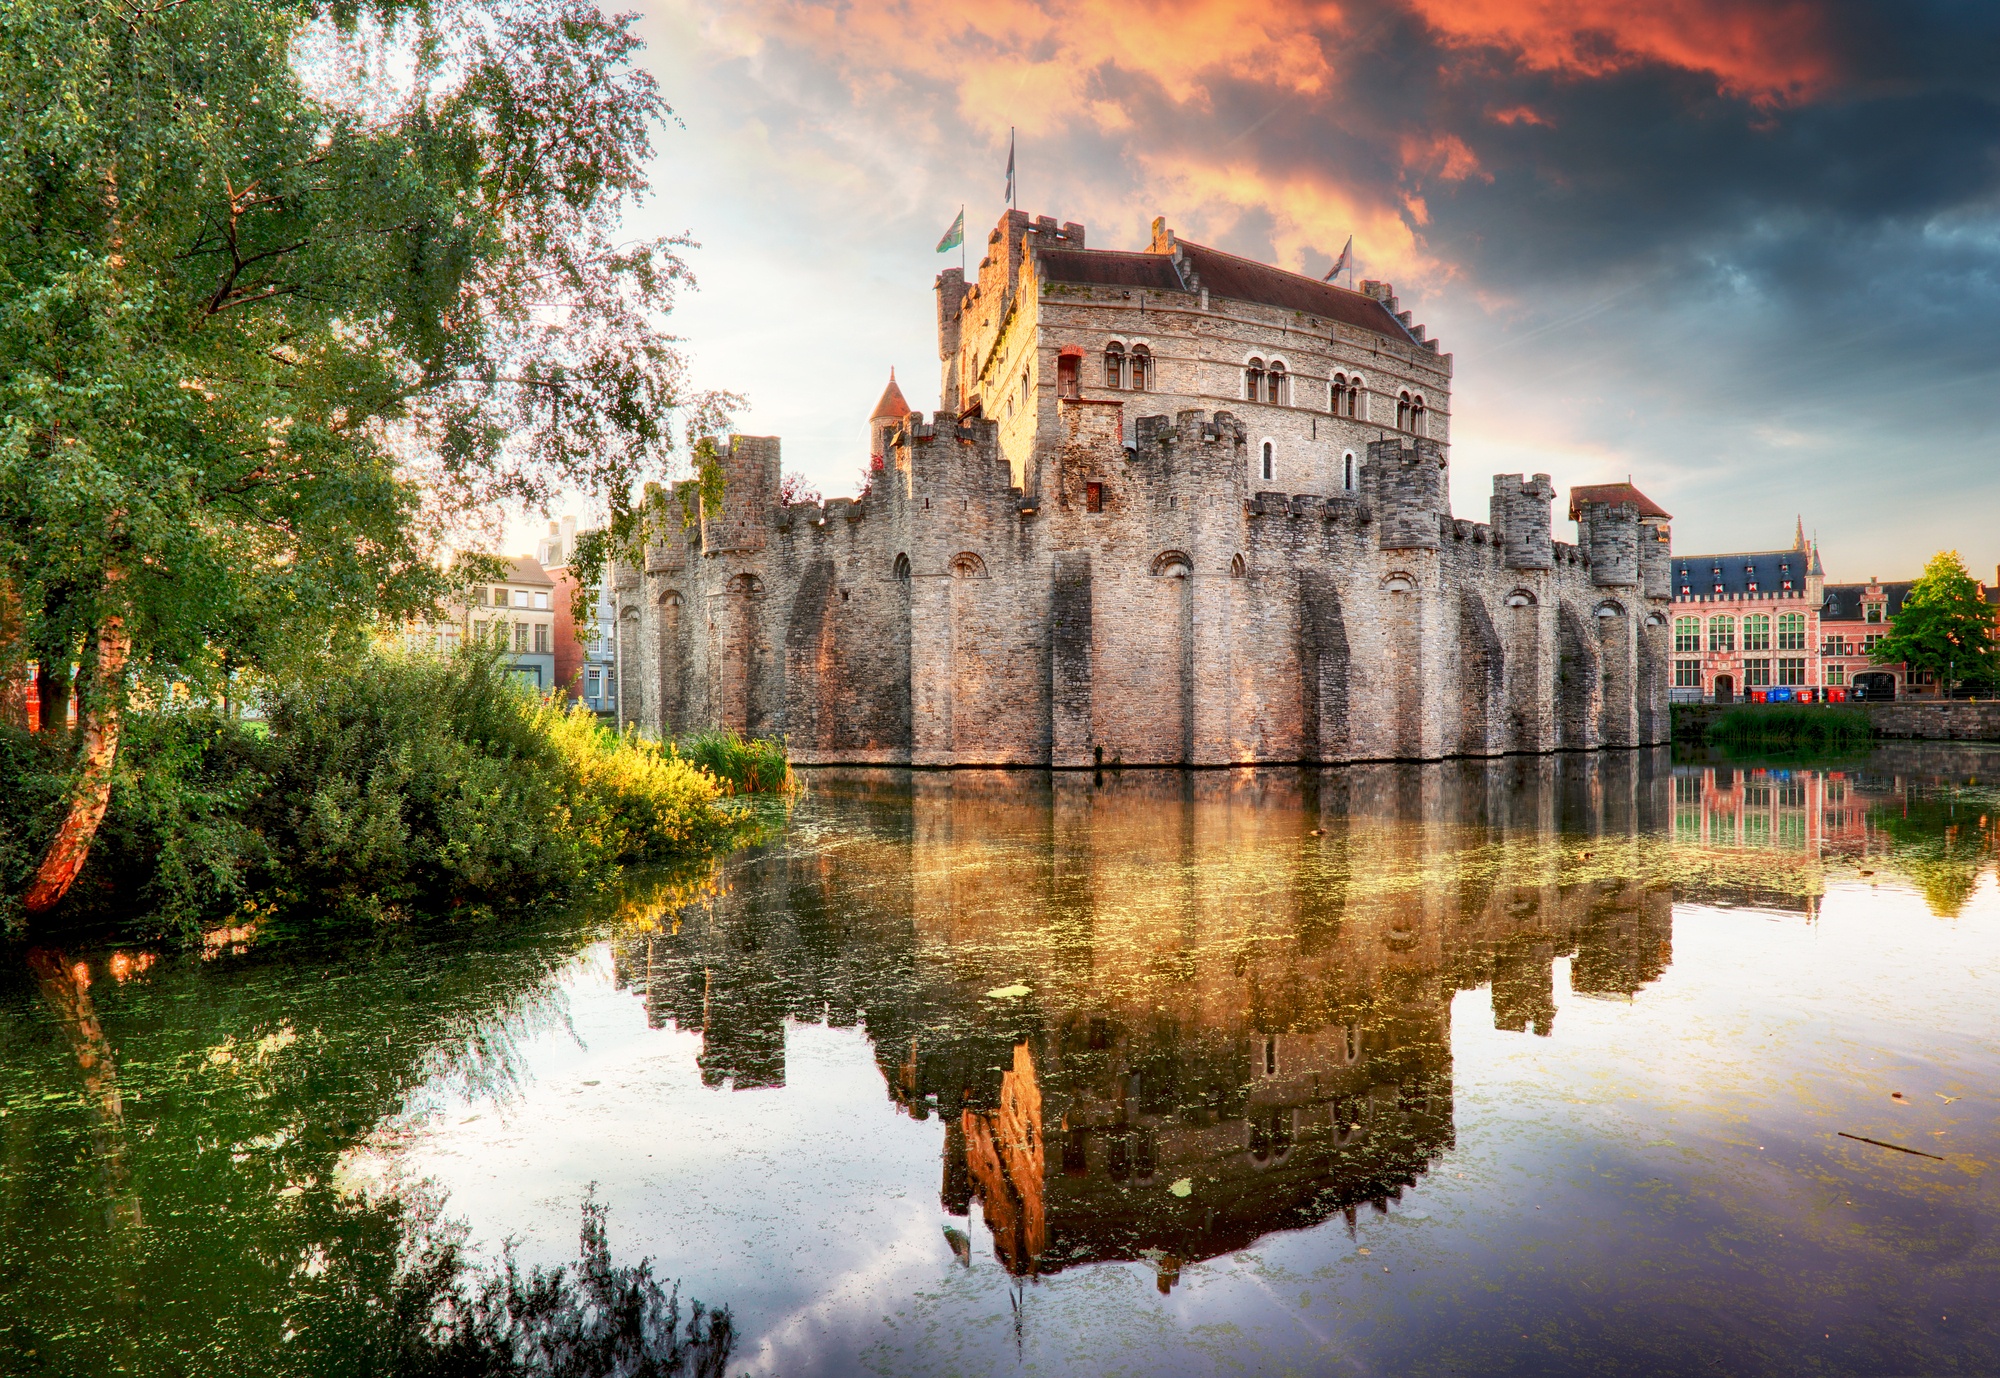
(1276, 389)
(1142, 368)
(1687, 634)
(520, 598)
(1868, 644)
(1337, 395)
(1791, 669)
(479, 631)
(499, 598)
(1253, 380)
(1347, 471)
(1792, 631)
(1093, 497)
(1402, 411)
(1357, 398)
(1114, 365)
(1756, 632)
(1874, 613)
(593, 683)
(1270, 461)
(1756, 674)
(542, 602)
(1721, 633)
(1418, 423)
(521, 638)
(1687, 674)
(541, 638)
(1836, 673)
(1069, 376)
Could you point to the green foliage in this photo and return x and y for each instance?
(1799, 726)
(400, 786)
(588, 1320)
(286, 286)
(1945, 626)
(744, 766)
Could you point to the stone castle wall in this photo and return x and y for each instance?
(953, 618)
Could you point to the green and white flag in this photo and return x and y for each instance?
(954, 236)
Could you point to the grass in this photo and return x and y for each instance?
(1791, 725)
(740, 765)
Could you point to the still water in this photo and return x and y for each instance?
(1573, 1065)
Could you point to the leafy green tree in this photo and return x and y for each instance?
(1945, 626)
(285, 287)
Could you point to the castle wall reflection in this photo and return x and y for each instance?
(1164, 1014)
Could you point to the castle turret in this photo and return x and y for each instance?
(1407, 485)
(749, 492)
(1608, 517)
(1656, 559)
(1522, 514)
(950, 302)
(883, 422)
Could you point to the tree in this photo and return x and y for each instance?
(1945, 626)
(287, 285)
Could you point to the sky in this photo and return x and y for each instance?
(1746, 252)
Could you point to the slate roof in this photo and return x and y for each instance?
(1110, 268)
(1843, 601)
(1615, 493)
(1767, 569)
(1224, 275)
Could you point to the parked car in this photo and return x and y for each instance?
(1875, 686)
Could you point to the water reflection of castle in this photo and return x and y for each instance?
(1164, 1014)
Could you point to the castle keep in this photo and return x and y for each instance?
(1179, 508)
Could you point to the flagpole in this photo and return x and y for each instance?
(961, 244)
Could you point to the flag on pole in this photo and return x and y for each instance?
(954, 236)
(1010, 167)
(1340, 264)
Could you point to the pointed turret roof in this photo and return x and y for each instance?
(892, 406)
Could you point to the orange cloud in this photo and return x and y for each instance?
(1769, 53)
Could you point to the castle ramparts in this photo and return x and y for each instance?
(1095, 576)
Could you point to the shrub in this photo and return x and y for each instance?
(396, 786)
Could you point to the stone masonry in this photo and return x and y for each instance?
(1080, 561)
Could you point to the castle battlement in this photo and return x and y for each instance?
(1177, 507)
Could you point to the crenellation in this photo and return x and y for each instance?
(1087, 577)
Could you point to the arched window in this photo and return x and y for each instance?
(1756, 632)
(1114, 365)
(1142, 368)
(1792, 631)
(1357, 398)
(1236, 567)
(1338, 394)
(1275, 391)
(1417, 415)
(1268, 467)
(901, 569)
(966, 565)
(1402, 411)
(1687, 634)
(1253, 380)
(1721, 633)
(1347, 472)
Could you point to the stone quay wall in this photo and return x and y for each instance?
(1142, 606)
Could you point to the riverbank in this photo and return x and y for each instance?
(1955, 720)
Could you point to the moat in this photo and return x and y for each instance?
(1572, 1064)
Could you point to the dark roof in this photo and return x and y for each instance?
(1843, 601)
(1226, 275)
(1110, 268)
(1615, 493)
(1767, 569)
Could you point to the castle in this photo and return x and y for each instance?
(1179, 507)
